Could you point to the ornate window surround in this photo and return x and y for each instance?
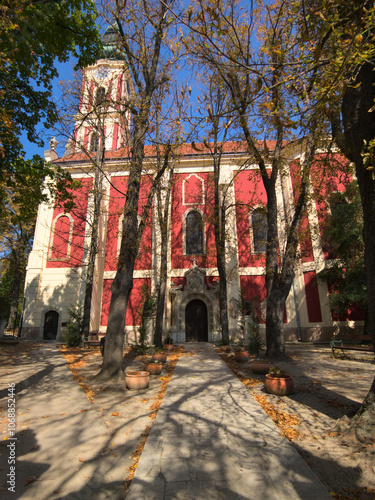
(70, 238)
(184, 230)
(183, 190)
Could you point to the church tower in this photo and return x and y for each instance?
(102, 119)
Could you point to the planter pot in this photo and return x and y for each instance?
(168, 347)
(137, 380)
(280, 386)
(160, 356)
(260, 367)
(241, 356)
(225, 348)
(153, 368)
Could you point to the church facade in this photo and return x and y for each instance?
(57, 265)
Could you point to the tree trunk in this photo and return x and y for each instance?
(15, 298)
(274, 323)
(359, 126)
(160, 304)
(92, 255)
(123, 282)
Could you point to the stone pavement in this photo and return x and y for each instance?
(211, 441)
(66, 448)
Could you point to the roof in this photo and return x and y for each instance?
(184, 150)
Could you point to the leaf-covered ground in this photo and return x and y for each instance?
(327, 392)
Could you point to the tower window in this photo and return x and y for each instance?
(100, 97)
(94, 142)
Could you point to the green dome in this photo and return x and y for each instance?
(111, 45)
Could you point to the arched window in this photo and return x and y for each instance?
(100, 97)
(94, 142)
(194, 233)
(61, 237)
(258, 230)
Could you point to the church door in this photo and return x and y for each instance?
(196, 321)
(51, 323)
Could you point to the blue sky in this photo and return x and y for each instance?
(65, 73)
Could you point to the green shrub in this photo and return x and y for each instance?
(74, 326)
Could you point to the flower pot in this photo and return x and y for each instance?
(225, 348)
(153, 368)
(137, 380)
(280, 386)
(260, 367)
(160, 356)
(241, 356)
(168, 347)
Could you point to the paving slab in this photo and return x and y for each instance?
(211, 440)
(67, 447)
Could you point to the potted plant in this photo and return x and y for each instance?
(153, 366)
(240, 354)
(224, 345)
(260, 366)
(168, 344)
(136, 381)
(279, 382)
(159, 356)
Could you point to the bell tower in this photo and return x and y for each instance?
(103, 119)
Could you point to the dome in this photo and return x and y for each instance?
(111, 45)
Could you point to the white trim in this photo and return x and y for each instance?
(183, 190)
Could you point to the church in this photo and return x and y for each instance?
(58, 262)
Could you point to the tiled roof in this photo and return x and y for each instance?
(184, 150)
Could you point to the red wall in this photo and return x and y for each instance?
(134, 303)
(249, 193)
(193, 195)
(116, 209)
(59, 240)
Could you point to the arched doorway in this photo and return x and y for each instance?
(51, 323)
(196, 322)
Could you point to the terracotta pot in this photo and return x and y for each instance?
(137, 380)
(260, 367)
(241, 356)
(225, 348)
(168, 347)
(279, 385)
(153, 368)
(160, 356)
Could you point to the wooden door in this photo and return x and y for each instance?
(196, 321)
(51, 323)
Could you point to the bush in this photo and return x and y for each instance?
(74, 326)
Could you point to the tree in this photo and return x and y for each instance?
(343, 236)
(21, 200)
(143, 28)
(34, 34)
(343, 70)
(272, 101)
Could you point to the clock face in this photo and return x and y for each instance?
(102, 73)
